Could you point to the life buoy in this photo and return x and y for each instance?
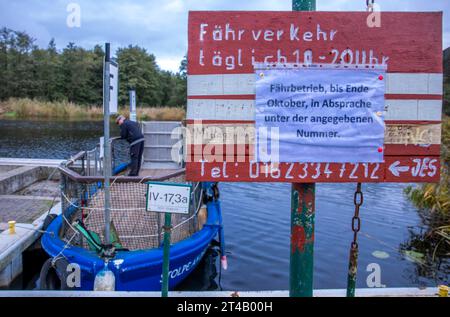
(54, 275)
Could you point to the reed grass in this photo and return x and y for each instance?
(436, 197)
(26, 108)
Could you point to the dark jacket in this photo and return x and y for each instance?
(130, 131)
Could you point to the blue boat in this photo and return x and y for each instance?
(136, 269)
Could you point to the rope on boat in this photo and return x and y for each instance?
(34, 229)
(65, 246)
(69, 224)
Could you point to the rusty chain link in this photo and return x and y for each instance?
(358, 200)
(356, 221)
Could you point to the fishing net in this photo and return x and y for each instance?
(83, 199)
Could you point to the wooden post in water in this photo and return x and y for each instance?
(302, 218)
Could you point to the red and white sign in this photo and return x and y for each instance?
(223, 46)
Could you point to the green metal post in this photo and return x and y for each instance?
(302, 240)
(302, 219)
(165, 268)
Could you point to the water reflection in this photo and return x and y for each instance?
(48, 139)
(206, 276)
(427, 247)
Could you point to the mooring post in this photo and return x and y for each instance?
(302, 218)
(107, 145)
(166, 259)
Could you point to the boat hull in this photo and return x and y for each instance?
(137, 270)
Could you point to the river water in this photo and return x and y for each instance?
(257, 222)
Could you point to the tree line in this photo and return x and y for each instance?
(75, 74)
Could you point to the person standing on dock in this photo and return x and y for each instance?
(131, 131)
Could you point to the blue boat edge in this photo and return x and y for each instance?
(138, 270)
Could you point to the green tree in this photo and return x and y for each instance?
(138, 70)
(78, 67)
(183, 67)
(166, 87)
(16, 63)
(179, 82)
(76, 74)
(47, 78)
(96, 76)
(4, 46)
(54, 84)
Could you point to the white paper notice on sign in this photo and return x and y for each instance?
(170, 198)
(320, 115)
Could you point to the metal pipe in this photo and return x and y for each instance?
(107, 152)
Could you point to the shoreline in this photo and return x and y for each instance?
(30, 109)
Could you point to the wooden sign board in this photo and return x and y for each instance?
(224, 46)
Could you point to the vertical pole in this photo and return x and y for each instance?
(166, 259)
(133, 116)
(107, 146)
(302, 219)
(302, 240)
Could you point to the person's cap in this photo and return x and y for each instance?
(119, 117)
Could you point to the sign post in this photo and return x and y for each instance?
(303, 197)
(385, 129)
(166, 255)
(107, 147)
(167, 198)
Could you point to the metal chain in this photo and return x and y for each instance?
(356, 221)
(353, 258)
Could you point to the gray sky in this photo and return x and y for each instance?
(159, 26)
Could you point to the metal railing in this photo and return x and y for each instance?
(83, 200)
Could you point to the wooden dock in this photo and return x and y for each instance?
(28, 189)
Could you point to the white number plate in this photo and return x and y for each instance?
(171, 198)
